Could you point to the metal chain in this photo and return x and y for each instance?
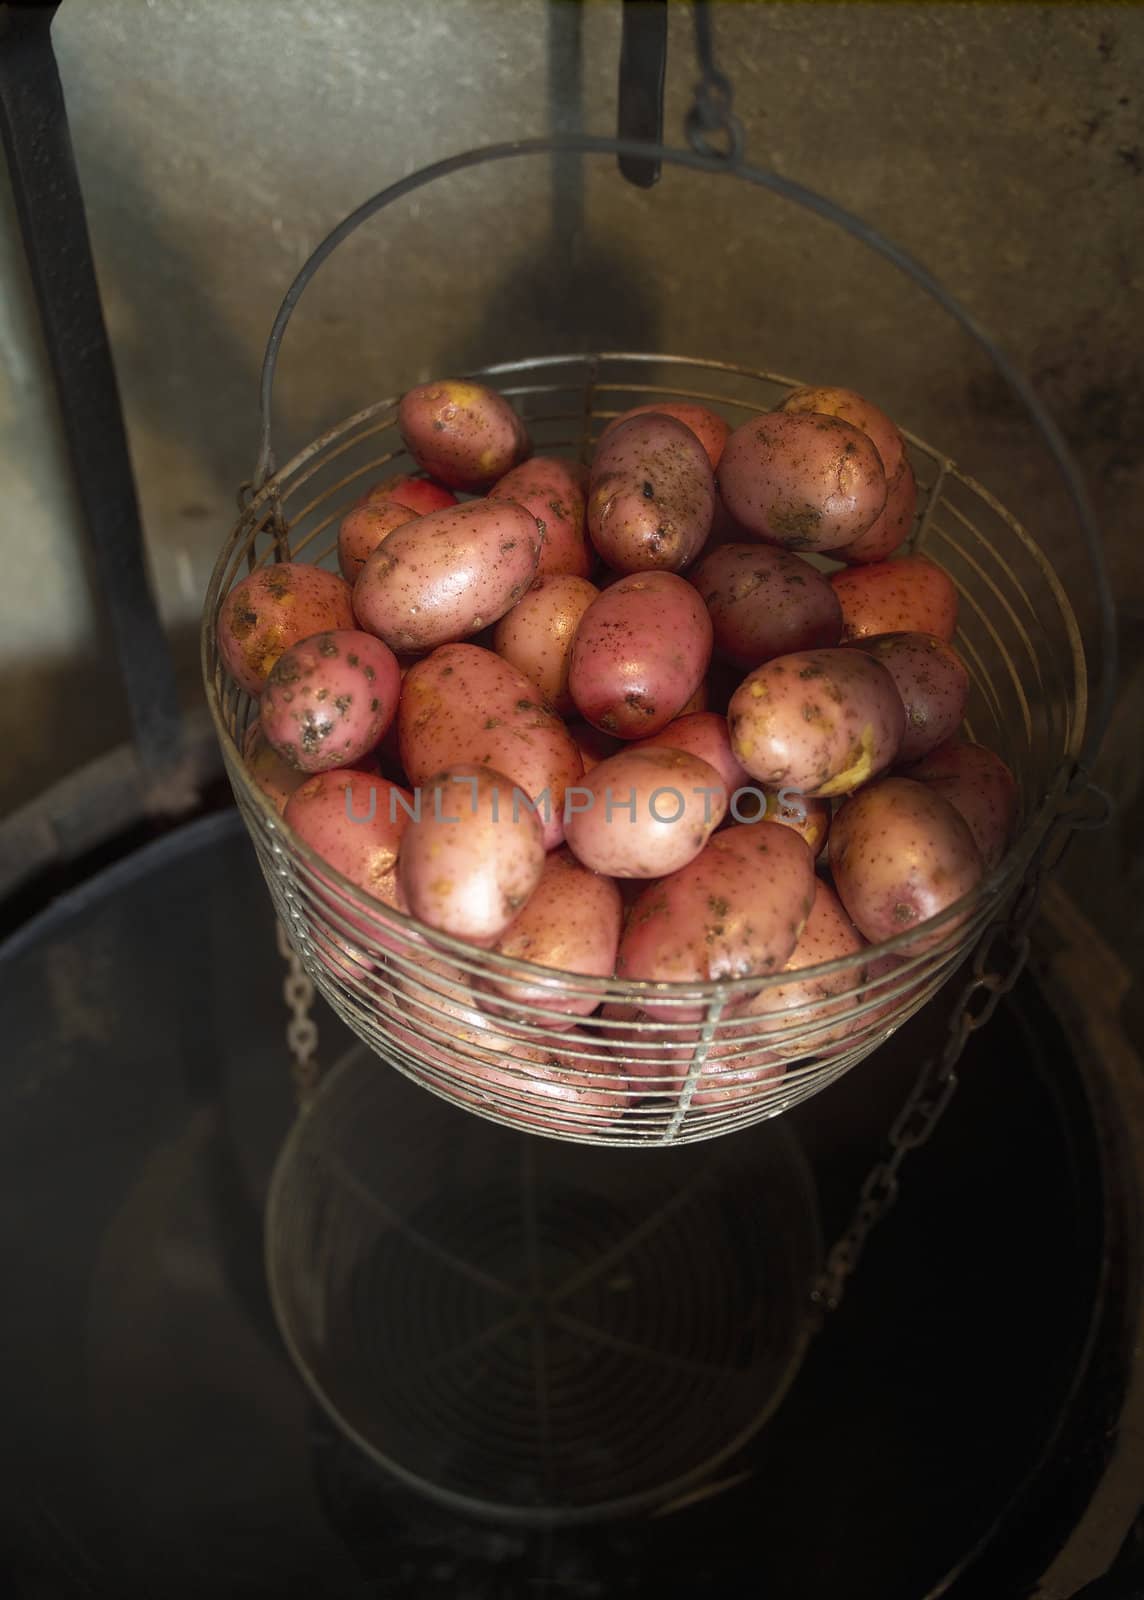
(998, 961)
(710, 112)
(301, 1030)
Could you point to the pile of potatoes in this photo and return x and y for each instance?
(609, 720)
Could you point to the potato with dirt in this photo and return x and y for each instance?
(831, 401)
(804, 481)
(446, 576)
(274, 607)
(555, 492)
(571, 925)
(419, 495)
(819, 722)
(267, 769)
(736, 911)
(766, 602)
(640, 654)
(907, 595)
(890, 530)
(463, 434)
(933, 682)
(354, 821)
(464, 704)
(703, 734)
(363, 528)
(708, 426)
(811, 1010)
(979, 785)
(900, 854)
(651, 495)
(329, 700)
(644, 813)
(536, 636)
(469, 857)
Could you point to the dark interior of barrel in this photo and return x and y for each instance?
(949, 1423)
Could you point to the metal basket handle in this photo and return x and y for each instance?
(732, 165)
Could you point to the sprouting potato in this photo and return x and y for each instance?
(536, 636)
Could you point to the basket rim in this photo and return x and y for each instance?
(990, 890)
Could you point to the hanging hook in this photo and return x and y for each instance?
(710, 111)
(643, 67)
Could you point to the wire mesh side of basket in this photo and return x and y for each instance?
(570, 1057)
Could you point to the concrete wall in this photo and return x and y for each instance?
(217, 142)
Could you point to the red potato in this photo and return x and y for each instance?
(420, 495)
(551, 1091)
(651, 495)
(356, 832)
(470, 859)
(554, 491)
(736, 911)
(448, 575)
(643, 813)
(896, 995)
(268, 770)
(908, 595)
(271, 609)
(889, 531)
(548, 1087)
(708, 426)
(543, 1088)
(536, 635)
(810, 1007)
(703, 734)
(980, 787)
(862, 414)
(658, 1056)
(464, 434)
(809, 818)
(363, 528)
(329, 699)
(932, 681)
(820, 722)
(803, 481)
(766, 603)
(697, 703)
(593, 745)
(572, 925)
(640, 654)
(464, 704)
(900, 854)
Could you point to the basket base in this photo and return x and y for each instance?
(528, 1330)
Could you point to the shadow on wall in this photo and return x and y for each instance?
(577, 293)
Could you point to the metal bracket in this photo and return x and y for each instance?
(643, 67)
(49, 204)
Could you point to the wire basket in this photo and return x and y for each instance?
(489, 1033)
(572, 1057)
(527, 1330)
